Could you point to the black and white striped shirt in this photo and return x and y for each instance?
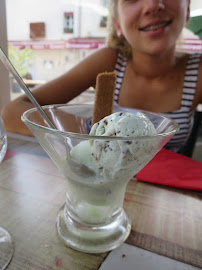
(183, 116)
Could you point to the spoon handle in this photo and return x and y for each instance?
(15, 74)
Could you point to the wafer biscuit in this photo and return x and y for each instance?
(104, 96)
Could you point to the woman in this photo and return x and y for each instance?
(150, 75)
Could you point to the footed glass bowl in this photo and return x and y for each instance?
(93, 219)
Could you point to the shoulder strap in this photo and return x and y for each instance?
(120, 71)
(190, 80)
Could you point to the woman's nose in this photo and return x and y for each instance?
(154, 6)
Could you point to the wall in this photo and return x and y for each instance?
(49, 64)
(21, 12)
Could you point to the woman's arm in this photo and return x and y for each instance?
(60, 90)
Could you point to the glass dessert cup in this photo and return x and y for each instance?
(93, 219)
(6, 244)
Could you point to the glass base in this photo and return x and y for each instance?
(6, 249)
(93, 239)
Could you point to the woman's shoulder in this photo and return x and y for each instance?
(107, 52)
(186, 61)
(194, 56)
(106, 58)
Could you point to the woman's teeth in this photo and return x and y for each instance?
(155, 27)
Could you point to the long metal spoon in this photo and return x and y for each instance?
(16, 75)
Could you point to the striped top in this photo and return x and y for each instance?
(183, 116)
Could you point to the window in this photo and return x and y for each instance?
(103, 22)
(68, 22)
(37, 30)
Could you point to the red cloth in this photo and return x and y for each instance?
(173, 169)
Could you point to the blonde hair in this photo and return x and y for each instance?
(113, 40)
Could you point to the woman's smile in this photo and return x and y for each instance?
(155, 28)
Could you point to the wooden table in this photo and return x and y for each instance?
(32, 190)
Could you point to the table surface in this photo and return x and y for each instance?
(32, 190)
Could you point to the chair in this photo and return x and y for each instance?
(188, 149)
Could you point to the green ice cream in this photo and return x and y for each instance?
(116, 157)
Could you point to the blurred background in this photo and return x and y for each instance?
(46, 38)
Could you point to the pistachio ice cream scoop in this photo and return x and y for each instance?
(117, 158)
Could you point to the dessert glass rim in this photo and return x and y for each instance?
(93, 137)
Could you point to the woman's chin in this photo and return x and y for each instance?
(159, 50)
